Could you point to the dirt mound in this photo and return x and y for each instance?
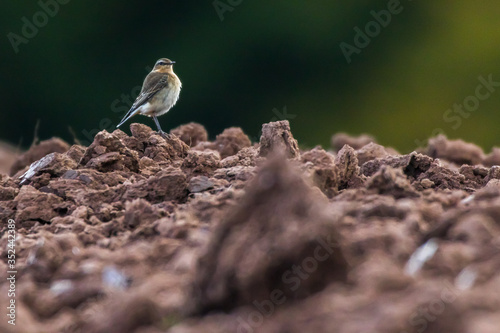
(38, 151)
(258, 242)
(149, 234)
(8, 156)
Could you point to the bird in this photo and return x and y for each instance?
(160, 91)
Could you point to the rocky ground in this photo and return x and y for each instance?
(146, 234)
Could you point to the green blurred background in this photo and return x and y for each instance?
(244, 63)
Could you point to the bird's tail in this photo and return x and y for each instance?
(129, 115)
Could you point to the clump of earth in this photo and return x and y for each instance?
(150, 234)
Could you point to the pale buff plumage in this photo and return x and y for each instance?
(160, 91)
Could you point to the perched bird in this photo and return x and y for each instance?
(160, 91)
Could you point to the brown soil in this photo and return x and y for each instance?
(146, 234)
(8, 156)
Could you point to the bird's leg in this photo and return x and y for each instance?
(160, 131)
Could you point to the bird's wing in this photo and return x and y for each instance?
(153, 83)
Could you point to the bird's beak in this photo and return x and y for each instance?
(172, 62)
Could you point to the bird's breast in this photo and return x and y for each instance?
(167, 97)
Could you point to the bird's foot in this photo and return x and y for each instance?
(166, 136)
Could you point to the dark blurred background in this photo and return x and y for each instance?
(244, 63)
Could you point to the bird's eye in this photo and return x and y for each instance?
(162, 63)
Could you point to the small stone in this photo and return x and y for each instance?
(199, 184)
(427, 183)
(54, 163)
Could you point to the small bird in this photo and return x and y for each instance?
(160, 91)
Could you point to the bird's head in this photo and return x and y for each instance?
(164, 65)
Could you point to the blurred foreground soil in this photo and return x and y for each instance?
(148, 234)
